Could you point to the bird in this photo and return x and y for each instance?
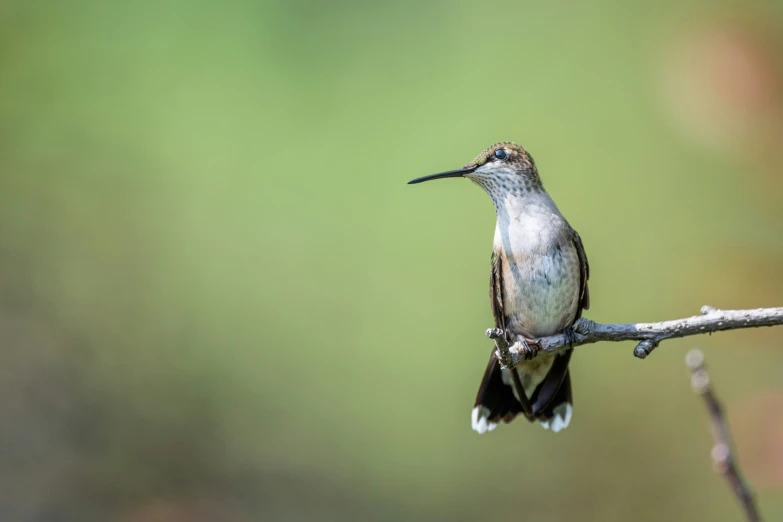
(538, 287)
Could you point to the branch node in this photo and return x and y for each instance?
(694, 360)
(494, 333)
(501, 347)
(706, 309)
(721, 457)
(644, 348)
(700, 381)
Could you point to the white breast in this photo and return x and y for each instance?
(541, 273)
(541, 292)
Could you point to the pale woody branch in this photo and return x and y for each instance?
(649, 335)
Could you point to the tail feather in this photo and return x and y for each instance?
(496, 402)
(547, 392)
(558, 415)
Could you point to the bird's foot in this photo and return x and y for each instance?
(570, 336)
(528, 348)
(583, 326)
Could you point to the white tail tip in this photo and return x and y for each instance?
(480, 420)
(561, 419)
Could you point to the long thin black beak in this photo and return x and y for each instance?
(450, 174)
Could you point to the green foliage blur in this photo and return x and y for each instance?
(219, 300)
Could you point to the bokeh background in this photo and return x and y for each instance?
(220, 301)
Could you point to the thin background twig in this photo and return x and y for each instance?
(722, 454)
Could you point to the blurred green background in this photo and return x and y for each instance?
(219, 300)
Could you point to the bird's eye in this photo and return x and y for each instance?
(500, 154)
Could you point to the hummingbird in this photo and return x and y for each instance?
(538, 288)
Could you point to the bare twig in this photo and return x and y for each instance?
(722, 457)
(649, 334)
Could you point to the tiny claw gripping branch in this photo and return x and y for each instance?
(529, 348)
(510, 355)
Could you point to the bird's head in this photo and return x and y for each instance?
(502, 169)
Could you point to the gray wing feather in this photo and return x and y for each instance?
(584, 296)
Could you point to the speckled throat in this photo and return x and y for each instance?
(503, 182)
